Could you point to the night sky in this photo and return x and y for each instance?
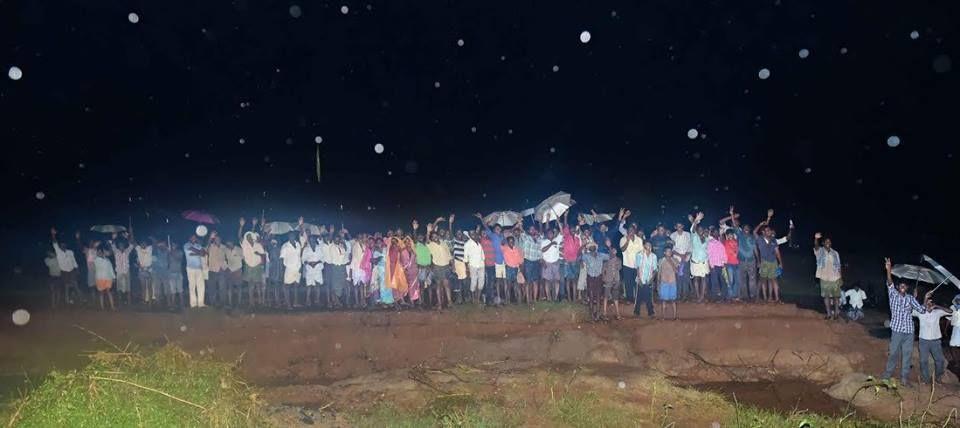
(217, 105)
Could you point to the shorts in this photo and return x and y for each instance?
(234, 278)
(667, 292)
(512, 273)
(612, 291)
(123, 282)
(477, 278)
(441, 273)
(768, 270)
(253, 274)
(69, 278)
(424, 275)
(91, 276)
(571, 270)
(551, 271)
(500, 271)
(175, 283)
(460, 269)
(104, 284)
(594, 285)
(699, 270)
(829, 289)
(144, 273)
(531, 270)
(490, 271)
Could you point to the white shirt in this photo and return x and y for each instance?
(252, 252)
(630, 254)
(681, 242)
(930, 324)
(855, 298)
(337, 255)
(552, 254)
(290, 254)
(473, 254)
(144, 255)
(311, 255)
(65, 258)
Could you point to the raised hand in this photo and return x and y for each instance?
(439, 219)
(887, 264)
(300, 221)
(255, 222)
(452, 217)
(769, 213)
(731, 210)
(817, 235)
(415, 224)
(700, 216)
(626, 214)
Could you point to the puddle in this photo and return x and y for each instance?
(782, 395)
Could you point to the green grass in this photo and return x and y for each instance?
(752, 417)
(443, 411)
(165, 388)
(588, 411)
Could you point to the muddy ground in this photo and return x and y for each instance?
(775, 356)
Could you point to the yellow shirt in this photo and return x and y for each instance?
(440, 253)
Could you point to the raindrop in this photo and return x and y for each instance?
(318, 139)
(436, 84)
(804, 53)
(15, 73)
(337, 346)
(503, 58)
(859, 181)
(553, 150)
(242, 141)
(473, 129)
(411, 167)
(186, 155)
(941, 64)
(893, 141)
(915, 197)
(484, 195)
(21, 317)
(584, 37)
(389, 172)
(693, 133)
(764, 74)
(460, 42)
(843, 51)
(295, 11)
(696, 155)
(622, 385)
(808, 170)
(378, 148)
(510, 131)
(556, 68)
(914, 34)
(613, 14)
(183, 327)
(81, 165)
(266, 159)
(133, 18)
(344, 9)
(289, 141)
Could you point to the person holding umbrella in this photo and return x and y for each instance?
(902, 306)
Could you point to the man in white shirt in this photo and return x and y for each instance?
(930, 341)
(312, 268)
(290, 254)
(69, 270)
(630, 245)
(338, 257)
(855, 297)
(681, 252)
(550, 246)
(254, 258)
(144, 273)
(474, 258)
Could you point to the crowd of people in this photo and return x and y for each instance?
(436, 265)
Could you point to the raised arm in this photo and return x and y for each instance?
(243, 222)
(888, 265)
(816, 242)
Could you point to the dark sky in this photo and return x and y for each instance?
(113, 119)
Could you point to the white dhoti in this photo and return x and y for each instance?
(313, 275)
(291, 275)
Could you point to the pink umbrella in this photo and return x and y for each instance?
(200, 217)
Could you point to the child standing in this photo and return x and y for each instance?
(668, 283)
(104, 274)
(612, 287)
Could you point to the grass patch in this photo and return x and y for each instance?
(588, 411)
(752, 417)
(444, 411)
(165, 388)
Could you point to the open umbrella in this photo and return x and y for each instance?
(503, 218)
(553, 207)
(200, 217)
(311, 229)
(277, 228)
(528, 212)
(918, 273)
(592, 219)
(108, 228)
(949, 276)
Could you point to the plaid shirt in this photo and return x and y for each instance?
(531, 248)
(123, 258)
(901, 310)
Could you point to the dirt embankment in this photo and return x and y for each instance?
(348, 357)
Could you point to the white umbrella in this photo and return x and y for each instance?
(311, 229)
(950, 277)
(918, 273)
(591, 219)
(503, 218)
(553, 207)
(108, 228)
(278, 228)
(528, 212)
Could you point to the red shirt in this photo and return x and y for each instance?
(489, 257)
(731, 246)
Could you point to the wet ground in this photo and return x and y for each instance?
(784, 395)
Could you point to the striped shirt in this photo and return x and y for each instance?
(122, 258)
(901, 310)
(531, 248)
(458, 249)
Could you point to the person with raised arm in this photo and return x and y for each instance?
(699, 262)
(630, 245)
(930, 346)
(829, 272)
(747, 256)
(532, 260)
(69, 269)
(570, 264)
(442, 261)
(902, 307)
(770, 260)
(121, 256)
(144, 251)
(254, 259)
(290, 254)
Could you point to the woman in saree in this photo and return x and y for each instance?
(408, 259)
